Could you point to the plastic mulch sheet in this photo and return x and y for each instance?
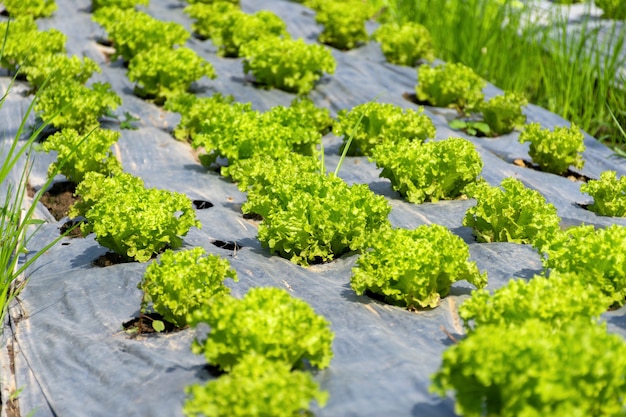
(71, 356)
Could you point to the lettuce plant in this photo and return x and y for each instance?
(593, 254)
(120, 4)
(210, 18)
(133, 221)
(267, 321)
(504, 113)
(559, 299)
(33, 8)
(450, 85)
(25, 43)
(344, 23)
(291, 65)
(82, 153)
(414, 268)
(613, 9)
(161, 72)
(260, 172)
(404, 44)
(209, 2)
(511, 213)
(256, 386)
(184, 281)
(195, 111)
(307, 110)
(432, 171)
(132, 31)
(554, 151)
(308, 217)
(371, 124)
(57, 68)
(70, 104)
(236, 134)
(609, 194)
(531, 370)
(233, 28)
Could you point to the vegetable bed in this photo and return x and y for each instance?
(64, 345)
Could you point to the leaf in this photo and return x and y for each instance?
(458, 124)
(158, 326)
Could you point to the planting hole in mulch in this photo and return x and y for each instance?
(412, 97)
(202, 204)
(253, 216)
(73, 226)
(143, 325)
(570, 175)
(110, 258)
(58, 199)
(234, 246)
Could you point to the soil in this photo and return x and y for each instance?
(109, 259)
(75, 231)
(412, 97)
(58, 199)
(570, 175)
(12, 405)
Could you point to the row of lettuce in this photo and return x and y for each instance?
(311, 216)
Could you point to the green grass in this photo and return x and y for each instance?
(504, 42)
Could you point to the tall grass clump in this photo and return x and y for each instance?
(18, 223)
(17, 214)
(532, 52)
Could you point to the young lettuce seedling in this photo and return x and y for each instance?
(555, 151)
(82, 154)
(25, 43)
(504, 113)
(414, 268)
(133, 31)
(72, 105)
(308, 217)
(291, 65)
(162, 73)
(256, 386)
(594, 254)
(557, 300)
(371, 124)
(133, 221)
(120, 4)
(344, 23)
(404, 44)
(32, 8)
(184, 281)
(432, 171)
(450, 85)
(512, 213)
(266, 321)
(556, 373)
(609, 194)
